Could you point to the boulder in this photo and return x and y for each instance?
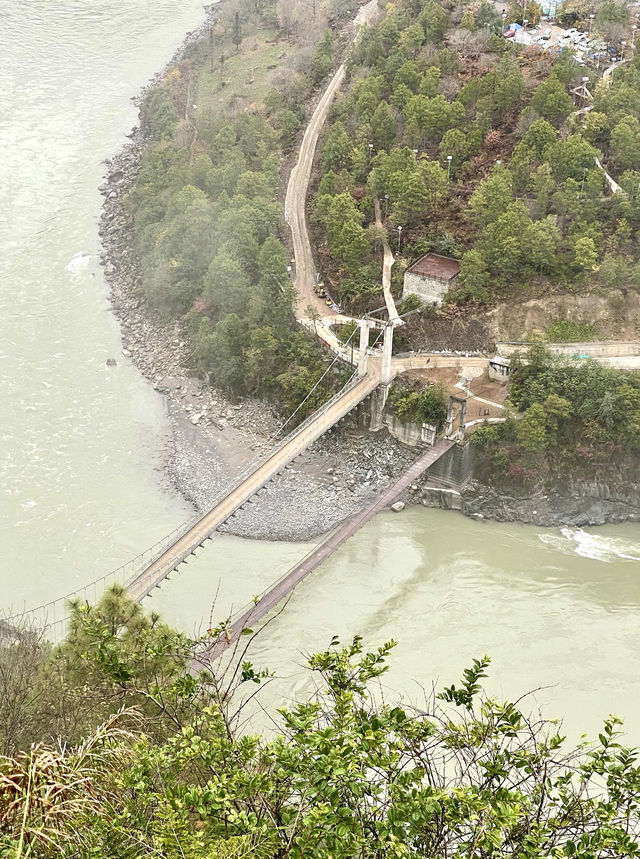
(398, 507)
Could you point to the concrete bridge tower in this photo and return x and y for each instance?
(365, 326)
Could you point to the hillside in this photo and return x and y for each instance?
(482, 150)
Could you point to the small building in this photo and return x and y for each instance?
(499, 369)
(431, 278)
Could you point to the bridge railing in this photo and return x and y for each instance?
(54, 615)
(144, 584)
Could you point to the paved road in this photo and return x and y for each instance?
(298, 187)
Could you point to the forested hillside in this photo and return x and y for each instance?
(476, 148)
(204, 204)
(114, 748)
(576, 421)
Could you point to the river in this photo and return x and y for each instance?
(82, 443)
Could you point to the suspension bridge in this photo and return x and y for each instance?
(149, 569)
(374, 369)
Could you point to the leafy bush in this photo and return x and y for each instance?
(428, 406)
(345, 774)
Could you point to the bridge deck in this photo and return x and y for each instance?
(284, 586)
(293, 445)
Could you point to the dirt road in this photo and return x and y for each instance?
(297, 189)
(295, 204)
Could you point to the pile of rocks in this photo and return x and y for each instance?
(334, 479)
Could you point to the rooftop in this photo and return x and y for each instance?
(436, 266)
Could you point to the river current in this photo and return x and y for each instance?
(81, 443)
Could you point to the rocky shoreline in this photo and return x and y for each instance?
(580, 505)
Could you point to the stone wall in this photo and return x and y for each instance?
(454, 469)
(594, 349)
(577, 504)
(407, 432)
(429, 289)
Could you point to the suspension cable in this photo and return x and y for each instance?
(295, 412)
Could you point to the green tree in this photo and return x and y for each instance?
(343, 224)
(159, 116)
(383, 127)
(552, 101)
(467, 22)
(454, 142)
(506, 242)
(569, 158)
(429, 118)
(542, 242)
(408, 75)
(531, 429)
(346, 774)
(584, 253)
(434, 21)
(337, 148)
(430, 82)
(492, 197)
(236, 36)
(625, 143)
(474, 274)
(538, 136)
(226, 285)
(409, 196)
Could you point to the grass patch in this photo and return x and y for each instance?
(243, 79)
(567, 331)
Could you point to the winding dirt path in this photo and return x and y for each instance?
(295, 203)
(388, 261)
(296, 198)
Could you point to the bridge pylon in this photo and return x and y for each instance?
(365, 325)
(387, 348)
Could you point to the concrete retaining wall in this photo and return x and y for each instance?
(428, 288)
(454, 469)
(594, 350)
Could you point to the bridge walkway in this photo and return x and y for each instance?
(248, 484)
(285, 585)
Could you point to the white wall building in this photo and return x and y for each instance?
(431, 278)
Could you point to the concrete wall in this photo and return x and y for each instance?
(437, 496)
(409, 433)
(593, 349)
(454, 469)
(427, 288)
(499, 372)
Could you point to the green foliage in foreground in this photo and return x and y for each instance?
(344, 775)
(573, 416)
